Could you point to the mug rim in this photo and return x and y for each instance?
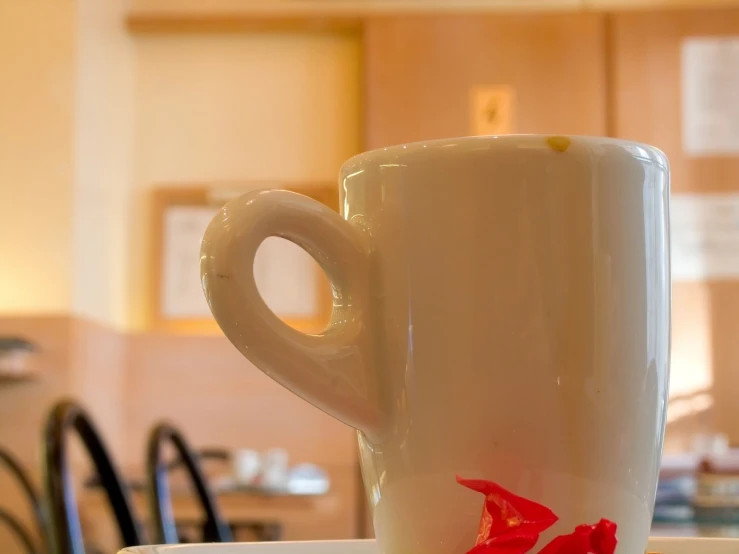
(645, 152)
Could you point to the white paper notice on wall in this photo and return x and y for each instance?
(491, 110)
(285, 274)
(704, 231)
(710, 89)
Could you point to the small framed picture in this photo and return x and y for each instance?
(290, 281)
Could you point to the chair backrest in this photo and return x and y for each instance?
(65, 417)
(34, 499)
(19, 530)
(160, 499)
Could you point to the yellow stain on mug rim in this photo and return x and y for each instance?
(560, 144)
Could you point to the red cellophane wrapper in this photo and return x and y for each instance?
(511, 524)
(586, 539)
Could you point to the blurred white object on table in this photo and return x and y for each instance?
(247, 465)
(15, 357)
(710, 443)
(307, 479)
(274, 469)
(269, 474)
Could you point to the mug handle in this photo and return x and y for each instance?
(333, 370)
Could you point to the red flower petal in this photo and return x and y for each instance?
(586, 539)
(507, 515)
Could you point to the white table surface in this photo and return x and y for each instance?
(659, 545)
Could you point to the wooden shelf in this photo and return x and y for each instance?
(26, 376)
(348, 16)
(174, 23)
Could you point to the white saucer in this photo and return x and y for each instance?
(658, 545)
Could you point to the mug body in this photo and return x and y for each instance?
(520, 320)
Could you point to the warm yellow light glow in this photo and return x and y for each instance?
(691, 362)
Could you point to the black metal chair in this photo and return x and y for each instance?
(19, 531)
(160, 500)
(67, 416)
(34, 500)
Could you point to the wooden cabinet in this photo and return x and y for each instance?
(646, 89)
(420, 70)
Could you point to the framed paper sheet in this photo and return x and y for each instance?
(704, 230)
(491, 110)
(288, 278)
(710, 96)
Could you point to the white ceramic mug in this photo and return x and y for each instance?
(501, 311)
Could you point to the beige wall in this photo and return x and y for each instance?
(103, 142)
(205, 386)
(98, 117)
(234, 107)
(65, 156)
(36, 126)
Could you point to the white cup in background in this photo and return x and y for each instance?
(247, 465)
(275, 469)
